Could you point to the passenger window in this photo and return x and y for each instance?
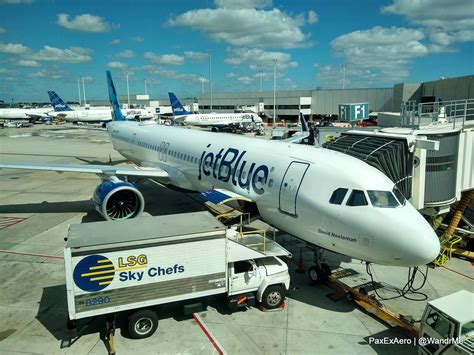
(382, 199)
(338, 196)
(357, 198)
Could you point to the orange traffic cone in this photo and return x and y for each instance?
(301, 269)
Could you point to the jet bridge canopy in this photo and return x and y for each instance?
(390, 155)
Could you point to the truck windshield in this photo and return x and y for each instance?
(382, 199)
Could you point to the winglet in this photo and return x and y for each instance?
(113, 99)
(176, 106)
(58, 104)
(304, 125)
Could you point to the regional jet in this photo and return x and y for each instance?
(24, 113)
(217, 121)
(326, 198)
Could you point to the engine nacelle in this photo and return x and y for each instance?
(117, 199)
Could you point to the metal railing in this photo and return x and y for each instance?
(455, 112)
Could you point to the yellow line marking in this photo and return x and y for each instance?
(103, 261)
(115, 270)
(102, 278)
(101, 267)
(105, 283)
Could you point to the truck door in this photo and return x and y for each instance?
(245, 277)
(436, 325)
(290, 186)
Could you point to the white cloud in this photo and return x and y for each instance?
(378, 54)
(71, 55)
(246, 79)
(138, 39)
(117, 65)
(243, 4)
(84, 23)
(171, 74)
(246, 27)
(257, 58)
(446, 21)
(16, 1)
(115, 41)
(49, 74)
(2, 30)
(126, 54)
(4, 71)
(312, 17)
(13, 48)
(196, 56)
(169, 59)
(27, 63)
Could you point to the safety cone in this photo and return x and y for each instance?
(301, 269)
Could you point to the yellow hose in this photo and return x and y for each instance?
(462, 205)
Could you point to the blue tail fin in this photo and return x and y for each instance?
(58, 103)
(176, 106)
(304, 125)
(113, 99)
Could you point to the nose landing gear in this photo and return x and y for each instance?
(319, 272)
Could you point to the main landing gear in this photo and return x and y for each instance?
(319, 272)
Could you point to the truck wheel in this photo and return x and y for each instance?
(273, 297)
(142, 324)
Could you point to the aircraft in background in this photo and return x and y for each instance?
(64, 112)
(326, 198)
(24, 113)
(217, 121)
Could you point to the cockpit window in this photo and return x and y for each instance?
(357, 198)
(338, 196)
(398, 194)
(382, 199)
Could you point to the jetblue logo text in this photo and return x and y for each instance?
(231, 166)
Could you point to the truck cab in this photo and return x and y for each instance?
(447, 325)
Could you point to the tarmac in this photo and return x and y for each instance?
(37, 207)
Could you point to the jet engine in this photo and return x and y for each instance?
(117, 199)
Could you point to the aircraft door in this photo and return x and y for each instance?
(132, 142)
(290, 186)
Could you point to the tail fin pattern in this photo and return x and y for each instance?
(177, 107)
(113, 99)
(58, 103)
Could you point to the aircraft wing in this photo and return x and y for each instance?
(220, 196)
(92, 169)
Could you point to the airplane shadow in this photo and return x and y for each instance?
(49, 207)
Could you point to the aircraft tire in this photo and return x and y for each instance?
(317, 275)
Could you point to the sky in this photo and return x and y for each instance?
(49, 44)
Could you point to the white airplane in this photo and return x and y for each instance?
(64, 112)
(217, 121)
(326, 198)
(24, 113)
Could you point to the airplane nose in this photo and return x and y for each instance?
(424, 248)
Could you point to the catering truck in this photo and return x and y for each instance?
(129, 267)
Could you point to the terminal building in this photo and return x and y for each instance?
(313, 103)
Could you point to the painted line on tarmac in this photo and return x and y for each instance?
(209, 335)
(457, 272)
(6, 222)
(32, 254)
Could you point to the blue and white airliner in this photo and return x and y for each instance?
(216, 121)
(323, 197)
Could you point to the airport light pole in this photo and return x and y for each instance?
(275, 61)
(343, 66)
(146, 91)
(84, 91)
(261, 80)
(79, 91)
(128, 93)
(210, 78)
(201, 77)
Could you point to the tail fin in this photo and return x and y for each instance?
(58, 103)
(113, 99)
(304, 125)
(176, 106)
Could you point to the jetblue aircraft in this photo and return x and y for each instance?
(217, 121)
(24, 113)
(323, 197)
(64, 112)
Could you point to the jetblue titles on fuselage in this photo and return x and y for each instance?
(230, 165)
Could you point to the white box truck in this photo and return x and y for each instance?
(130, 266)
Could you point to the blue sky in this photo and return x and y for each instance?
(49, 44)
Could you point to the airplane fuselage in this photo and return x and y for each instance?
(23, 113)
(218, 119)
(291, 185)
